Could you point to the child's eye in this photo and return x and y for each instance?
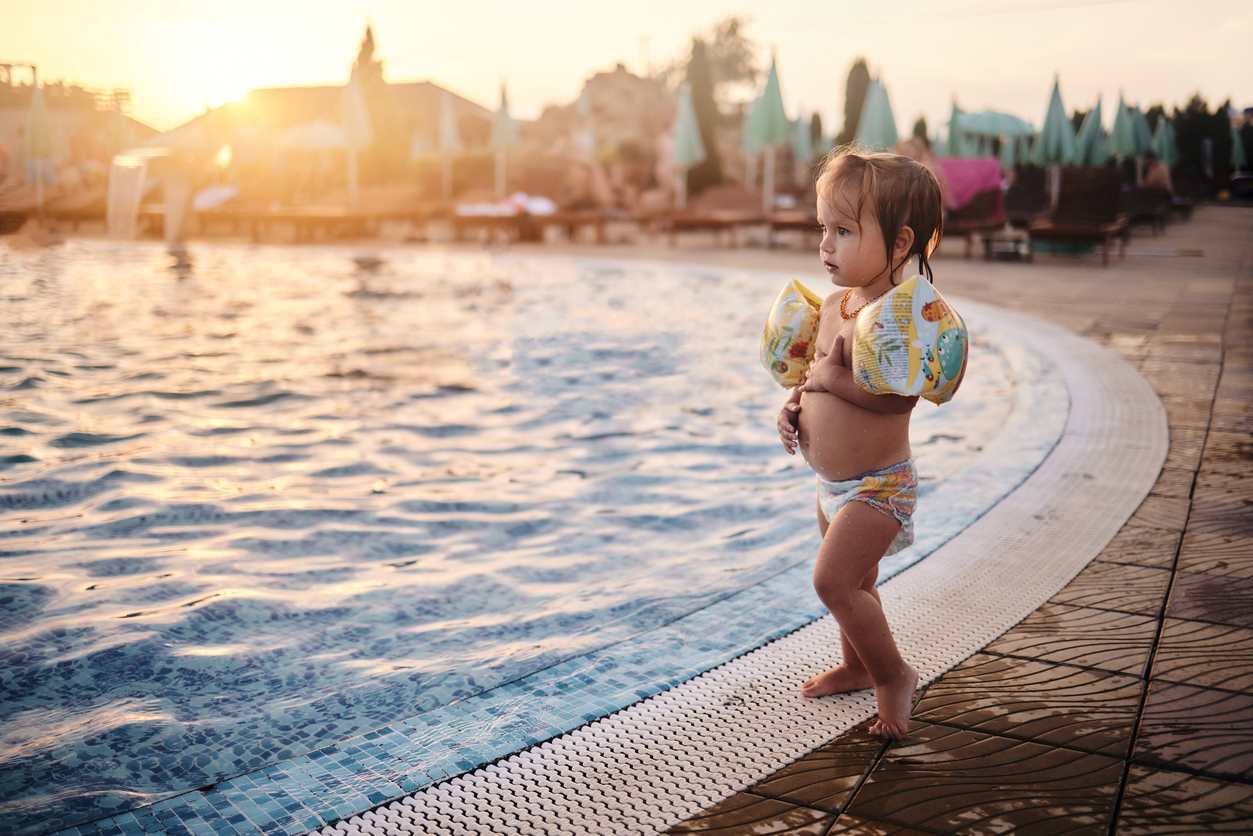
(842, 230)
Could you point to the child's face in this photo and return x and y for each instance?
(851, 248)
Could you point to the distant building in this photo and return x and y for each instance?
(86, 125)
(402, 114)
(283, 140)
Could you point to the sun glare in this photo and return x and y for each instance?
(216, 86)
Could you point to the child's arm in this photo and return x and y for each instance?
(838, 381)
(831, 376)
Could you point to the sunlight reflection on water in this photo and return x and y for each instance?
(279, 501)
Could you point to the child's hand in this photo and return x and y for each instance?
(786, 424)
(822, 373)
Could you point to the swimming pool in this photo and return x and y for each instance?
(277, 502)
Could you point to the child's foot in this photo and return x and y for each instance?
(838, 680)
(896, 703)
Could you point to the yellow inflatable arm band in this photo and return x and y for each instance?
(787, 341)
(910, 342)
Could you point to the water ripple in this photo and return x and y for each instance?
(299, 502)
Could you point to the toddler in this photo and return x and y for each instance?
(877, 213)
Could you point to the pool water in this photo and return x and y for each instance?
(272, 500)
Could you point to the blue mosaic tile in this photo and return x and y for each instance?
(129, 824)
(147, 819)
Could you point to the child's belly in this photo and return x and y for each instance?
(840, 440)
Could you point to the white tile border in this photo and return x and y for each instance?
(666, 758)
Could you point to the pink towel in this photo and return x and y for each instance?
(967, 177)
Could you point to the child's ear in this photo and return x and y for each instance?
(903, 244)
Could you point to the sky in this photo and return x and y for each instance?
(178, 56)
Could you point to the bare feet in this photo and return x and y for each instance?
(896, 703)
(838, 680)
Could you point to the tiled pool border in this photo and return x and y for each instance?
(356, 774)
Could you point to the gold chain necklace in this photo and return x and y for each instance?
(844, 304)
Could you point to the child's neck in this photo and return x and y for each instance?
(881, 285)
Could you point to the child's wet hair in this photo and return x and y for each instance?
(902, 192)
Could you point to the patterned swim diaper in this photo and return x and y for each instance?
(892, 490)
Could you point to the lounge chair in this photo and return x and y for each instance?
(792, 220)
(1190, 188)
(982, 216)
(1027, 198)
(90, 205)
(722, 210)
(1087, 211)
(1147, 206)
(573, 220)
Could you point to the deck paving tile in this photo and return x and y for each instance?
(1199, 596)
(1066, 634)
(1201, 729)
(825, 777)
(1142, 545)
(1205, 655)
(1116, 586)
(1058, 705)
(955, 780)
(1160, 801)
(1217, 554)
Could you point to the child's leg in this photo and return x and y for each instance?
(851, 674)
(856, 540)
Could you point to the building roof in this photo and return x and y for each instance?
(413, 107)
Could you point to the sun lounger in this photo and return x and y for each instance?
(1087, 211)
(573, 220)
(88, 205)
(719, 222)
(11, 220)
(1027, 198)
(792, 220)
(982, 216)
(1147, 206)
(722, 210)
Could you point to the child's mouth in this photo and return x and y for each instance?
(831, 268)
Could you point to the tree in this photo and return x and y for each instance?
(1153, 114)
(1076, 118)
(700, 78)
(920, 129)
(854, 97)
(815, 133)
(1204, 142)
(732, 58)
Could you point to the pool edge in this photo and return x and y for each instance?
(644, 768)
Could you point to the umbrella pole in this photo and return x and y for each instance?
(767, 188)
(500, 175)
(352, 178)
(178, 188)
(680, 188)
